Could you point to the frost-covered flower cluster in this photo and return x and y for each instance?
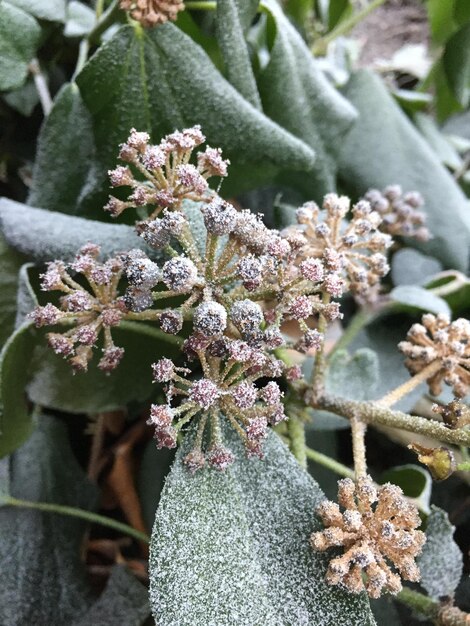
(352, 252)
(152, 12)
(90, 307)
(377, 531)
(438, 340)
(401, 212)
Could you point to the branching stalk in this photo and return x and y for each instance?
(403, 390)
(358, 431)
(296, 429)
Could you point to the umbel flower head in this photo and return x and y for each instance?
(90, 310)
(152, 12)
(401, 212)
(377, 531)
(352, 253)
(445, 343)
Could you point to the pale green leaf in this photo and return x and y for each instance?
(10, 264)
(441, 145)
(51, 10)
(415, 297)
(80, 19)
(456, 62)
(232, 547)
(410, 267)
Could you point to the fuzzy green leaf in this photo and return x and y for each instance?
(441, 561)
(441, 145)
(80, 19)
(23, 99)
(15, 420)
(19, 39)
(297, 95)
(151, 80)
(456, 60)
(51, 10)
(153, 470)
(43, 579)
(410, 267)
(10, 264)
(232, 547)
(414, 297)
(65, 150)
(235, 50)
(384, 148)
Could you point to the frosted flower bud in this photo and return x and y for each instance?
(273, 337)
(246, 316)
(77, 302)
(211, 162)
(210, 319)
(51, 280)
(194, 461)
(293, 373)
(114, 206)
(180, 274)
(311, 340)
(279, 247)
(155, 234)
(244, 395)
(161, 416)
(257, 428)
(250, 271)
(86, 334)
(141, 271)
(61, 345)
(171, 322)
(334, 285)
(121, 176)
(312, 269)
(240, 351)
(393, 192)
(173, 222)
(219, 217)
(204, 392)
(166, 438)
(307, 212)
(163, 371)
(219, 457)
(138, 300)
(189, 177)
(336, 205)
(154, 157)
(271, 393)
(301, 308)
(111, 358)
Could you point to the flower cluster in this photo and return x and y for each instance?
(446, 344)
(377, 531)
(352, 253)
(161, 175)
(400, 212)
(152, 12)
(89, 309)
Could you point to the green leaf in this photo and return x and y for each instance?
(10, 264)
(43, 579)
(124, 602)
(52, 10)
(153, 470)
(15, 420)
(44, 235)
(441, 16)
(152, 80)
(456, 61)
(235, 50)
(384, 148)
(232, 547)
(385, 612)
(80, 19)
(297, 96)
(23, 99)
(441, 145)
(414, 297)
(26, 298)
(65, 149)
(441, 561)
(412, 100)
(54, 385)
(410, 267)
(19, 39)
(415, 481)
(461, 12)
(337, 10)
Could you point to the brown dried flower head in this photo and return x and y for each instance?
(353, 253)
(439, 340)
(90, 310)
(439, 461)
(377, 531)
(455, 414)
(401, 212)
(152, 12)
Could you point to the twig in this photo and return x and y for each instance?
(41, 87)
(358, 431)
(296, 430)
(407, 387)
(328, 462)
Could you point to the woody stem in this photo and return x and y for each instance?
(402, 390)
(358, 431)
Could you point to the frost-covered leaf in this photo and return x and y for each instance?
(52, 10)
(10, 264)
(232, 547)
(44, 235)
(64, 152)
(415, 481)
(15, 419)
(26, 298)
(441, 145)
(441, 561)
(43, 579)
(152, 80)
(411, 267)
(53, 384)
(297, 95)
(124, 602)
(384, 148)
(385, 612)
(80, 19)
(415, 297)
(23, 99)
(19, 38)
(354, 377)
(235, 50)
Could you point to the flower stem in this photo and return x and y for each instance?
(418, 602)
(296, 430)
(93, 518)
(464, 466)
(41, 87)
(358, 431)
(402, 390)
(357, 323)
(319, 367)
(328, 462)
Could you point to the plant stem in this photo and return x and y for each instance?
(41, 87)
(93, 518)
(463, 467)
(150, 331)
(320, 46)
(319, 367)
(200, 5)
(402, 390)
(373, 413)
(296, 430)
(326, 461)
(418, 602)
(358, 431)
(357, 323)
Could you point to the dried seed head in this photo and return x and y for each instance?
(204, 392)
(377, 531)
(210, 319)
(141, 271)
(219, 217)
(247, 317)
(180, 274)
(439, 461)
(151, 13)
